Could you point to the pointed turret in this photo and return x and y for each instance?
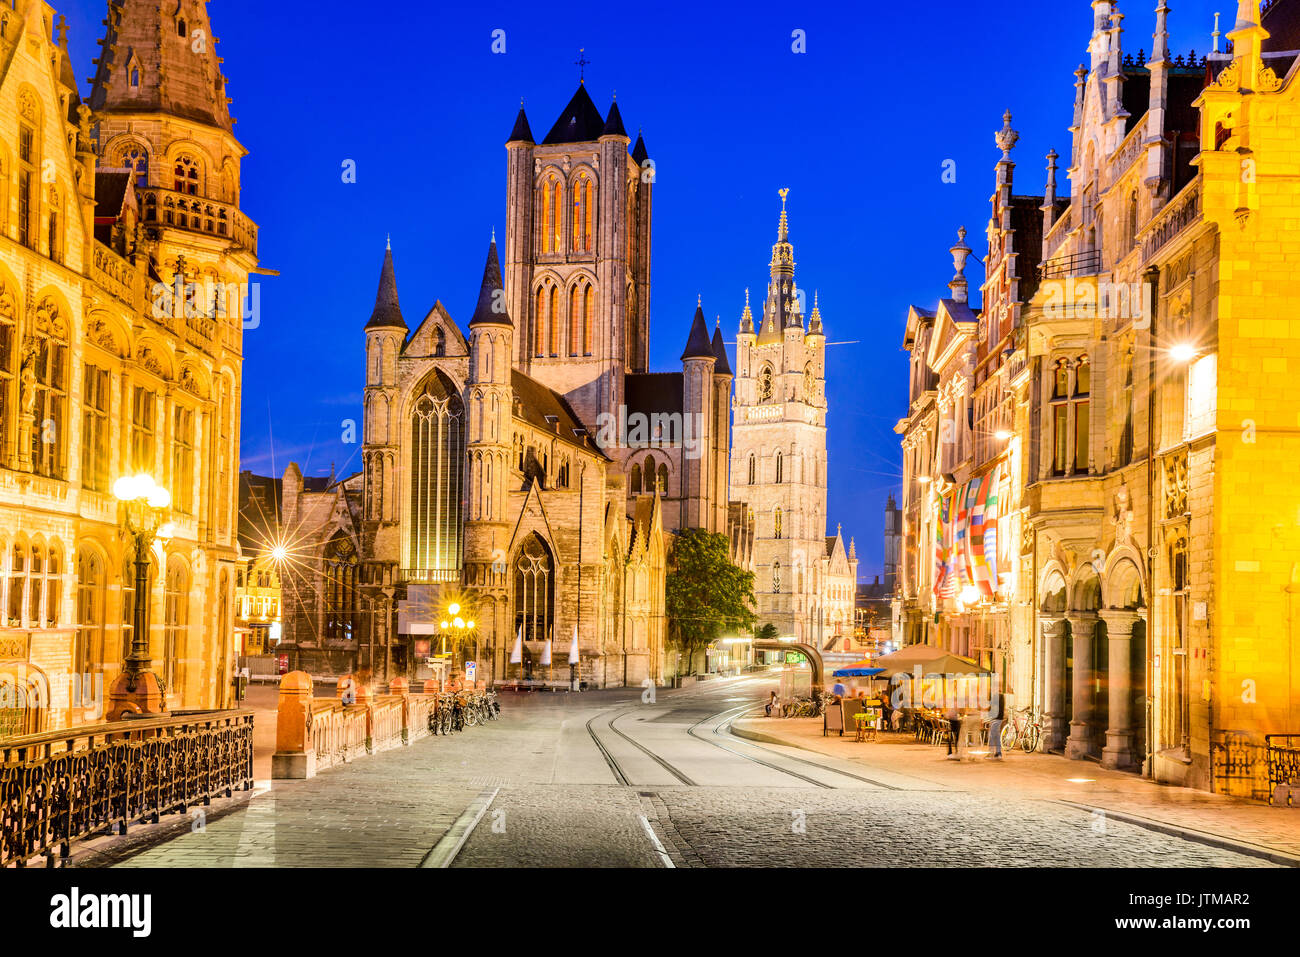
(387, 314)
(580, 122)
(614, 122)
(815, 320)
(722, 366)
(639, 153)
(491, 307)
(161, 58)
(522, 132)
(697, 344)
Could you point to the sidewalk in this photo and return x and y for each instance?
(1269, 832)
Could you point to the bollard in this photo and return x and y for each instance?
(431, 686)
(399, 686)
(295, 757)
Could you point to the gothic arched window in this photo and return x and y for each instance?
(185, 175)
(534, 590)
(776, 578)
(552, 205)
(575, 322)
(583, 214)
(777, 523)
(780, 468)
(339, 588)
(588, 319)
(650, 473)
(539, 323)
(553, 325)
(765, 383)
(437, 457)
(440, 342)
(634, 482)
(753, 470)
(663, 480)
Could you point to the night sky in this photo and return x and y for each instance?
(859, 128)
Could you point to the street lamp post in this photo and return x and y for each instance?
(143, 509)
(457, 626)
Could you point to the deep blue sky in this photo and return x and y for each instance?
(858, 128)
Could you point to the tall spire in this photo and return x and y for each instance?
(815, 320)
(1160, 48)
(155, 61)
(722, 366)
(782, 309)
(387, 314)
(491, 306)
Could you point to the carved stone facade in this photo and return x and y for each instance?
(102, 375)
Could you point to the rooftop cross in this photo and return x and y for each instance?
(582, 63)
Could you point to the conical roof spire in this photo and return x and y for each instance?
(521, 132)
(815, 320)
(175, 54)
(387, 314)
(580, 122)
(639, 153)
(722, 366)
(614, 122)
(697, 344)
(491, 307)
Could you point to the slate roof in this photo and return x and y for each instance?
(639, 152)
(613, 122)
(537, 401)
(580, 122)
(521, 130)
(491, 294)
(387, 314)
(697, 343)
(722, 366)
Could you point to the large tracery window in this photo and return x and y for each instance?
(583, 214)
(534, 590)
(552, 216)
(186, 176)
(340, 588)
(437, 459)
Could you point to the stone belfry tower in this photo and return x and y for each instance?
(577, 254)
(161, 110)
(778, 452)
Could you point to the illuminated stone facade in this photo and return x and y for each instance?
(100, 375)
(1150, 436)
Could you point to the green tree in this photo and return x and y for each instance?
(705, 594)
(767, 632)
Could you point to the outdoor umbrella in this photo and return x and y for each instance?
(517, 652)
(933, 661)
(573, 648)
(859, 669)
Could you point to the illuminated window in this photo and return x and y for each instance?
(552, 206)
(437, 456)
(588, 319)
(88, 653)
(1202, 386)
(17, 584)
(95, 464)
(175, 623)
(534, 594)
(554, 321)
(144, 410)
(8, 370)
(539, 323)
(575, 324)
(50, 393)
(28, 161)
(183, 459)
(583, 214)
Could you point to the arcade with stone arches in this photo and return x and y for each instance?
(1092, 661)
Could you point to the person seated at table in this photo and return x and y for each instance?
(886, 712)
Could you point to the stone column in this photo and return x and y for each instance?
(1083, 628)
(295, 756)
(1055, 719)
(1118, 752)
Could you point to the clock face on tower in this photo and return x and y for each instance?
(765, 384)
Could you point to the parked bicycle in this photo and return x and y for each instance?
(1023, 729)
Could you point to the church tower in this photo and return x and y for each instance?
(385, 332)
(160, 102)
(577, 254)
(778, 454)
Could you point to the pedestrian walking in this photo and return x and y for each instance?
(996, 720)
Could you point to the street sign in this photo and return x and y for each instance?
(470, 668)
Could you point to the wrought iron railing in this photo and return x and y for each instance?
(1283, 765)
(62, 786)
(1076, 264)
(1238, 766)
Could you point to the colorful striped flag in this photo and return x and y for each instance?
(975, 541)
(940, 546)
(991, 530)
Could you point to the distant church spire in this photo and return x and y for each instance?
(387, 313)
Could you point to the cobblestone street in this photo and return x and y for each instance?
(604, 780)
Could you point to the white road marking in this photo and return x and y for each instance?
(654, 839)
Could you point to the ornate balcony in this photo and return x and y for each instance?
(1075, 264)
(1180, 213)
(197, 214)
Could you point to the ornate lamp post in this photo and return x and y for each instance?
(460, 628)
(143, 510)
